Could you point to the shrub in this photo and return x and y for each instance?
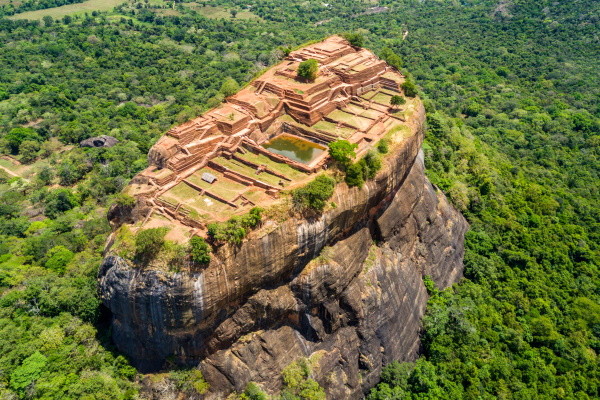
(373, 164)
(45, 175)
(253, 218)
(199, 250)
(342, 151)
(230, 231)
(409, 88)
(149, 242)
(28, 149)
(16, 136)
(366, 168)
(356, 39)
(58, 201)
(236, 228)
(254, 392)
(354, 174)
(189, 381)
(124, 200)
(397, 100)
(297, 383)
(429, 285)
(315, 194)
(307, 70)
(383, 146)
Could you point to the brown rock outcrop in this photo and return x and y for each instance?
(344, 288)
(258, 307)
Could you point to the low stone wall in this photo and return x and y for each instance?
(266, 169)
(232, 173)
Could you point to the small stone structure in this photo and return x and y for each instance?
(208, 177)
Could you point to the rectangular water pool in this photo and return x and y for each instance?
(294, 148)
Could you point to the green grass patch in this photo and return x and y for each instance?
(183, 191)
(222, 187)
(250, 172)
(382, 98)
(369, 94)
(70, 9)
(354, 120)
(217, 12)
(333, 129)
(278, 167)
(390, 92)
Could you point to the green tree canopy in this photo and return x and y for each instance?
(397, 100)
(28, 150)
(16, 136)
(58, 258)
(199, 250)
(149, 242)
(342, 151)
(355, 174)
(229, 87)
(391, 57)
(58, 201)
(314, 195)
(356, 39)
(31, 368)
(307, 70)
(409, 88)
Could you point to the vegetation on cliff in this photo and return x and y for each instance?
(314, 195)
(235, 229)
(297, 384)
(513, 139)
(356, 174)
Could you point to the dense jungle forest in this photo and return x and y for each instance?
(512, 92)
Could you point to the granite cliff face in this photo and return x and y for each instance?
(259, 307)
(344, 289)
(354, 311)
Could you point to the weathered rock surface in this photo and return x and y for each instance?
(99, 141)
(356, 310)
(262, 305)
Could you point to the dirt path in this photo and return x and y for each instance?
(8, 171)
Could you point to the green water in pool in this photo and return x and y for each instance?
(294, 148)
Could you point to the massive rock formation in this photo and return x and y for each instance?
(344, 288)
(354, 311)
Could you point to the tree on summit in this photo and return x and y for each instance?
(356, 39)
(307, 70)
(199, 250)
(342, 151)
(396, 101)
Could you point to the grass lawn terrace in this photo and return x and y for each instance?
(278, 167)
(248, 171)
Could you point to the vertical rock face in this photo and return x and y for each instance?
(344, 288)
(357, 309)
(319, 288)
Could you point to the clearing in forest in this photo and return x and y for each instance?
(69, 9)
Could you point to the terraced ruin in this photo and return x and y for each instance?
(343, 288)
(270, 136)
